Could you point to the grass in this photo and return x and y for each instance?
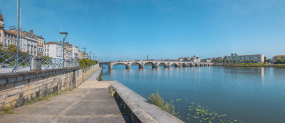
(100, 78)
(110, 80)
(159, 101)
(6, 110)
(44, 98)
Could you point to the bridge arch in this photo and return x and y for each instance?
(175, 64)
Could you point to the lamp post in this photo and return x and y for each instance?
(64, 34)
(17, 55)
(90, 55)
(94, 56)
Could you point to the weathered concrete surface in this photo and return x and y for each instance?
(138, 108)
(89, 103)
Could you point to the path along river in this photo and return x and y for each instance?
(229, 94)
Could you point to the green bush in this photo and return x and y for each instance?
(86, 62)
(159, 101)
(100, 78)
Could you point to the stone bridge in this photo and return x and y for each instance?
(155, 64)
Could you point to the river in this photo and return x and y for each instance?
(236, 94)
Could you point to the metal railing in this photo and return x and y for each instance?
(73, 63)
(9, 60)
(52, 63)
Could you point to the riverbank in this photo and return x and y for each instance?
(248, 65)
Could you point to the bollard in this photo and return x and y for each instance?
(37, 63)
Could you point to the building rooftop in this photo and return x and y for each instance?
(53, 43)
(280, 56)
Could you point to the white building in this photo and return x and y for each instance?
(53, 49)
(258, 58)
(195, 59)
(76, 52)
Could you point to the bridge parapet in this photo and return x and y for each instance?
(155, 64)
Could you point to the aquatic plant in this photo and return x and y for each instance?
(199, 113)
(159, 101)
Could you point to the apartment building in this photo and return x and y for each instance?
(278, 57)
(53, 49)
(259, 58)
(28, 41)
(75, 51)
(40, 43)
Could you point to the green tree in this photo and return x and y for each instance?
(231, 61)
(247, 61)
(224, 60)
(232, 54)
(239, 61)
(235, 54)
(267, 60)
(252, 61)
(227, 61)
(279, 60)
(235, 61)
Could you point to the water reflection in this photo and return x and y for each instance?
(247, 94)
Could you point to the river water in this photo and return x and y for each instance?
(236, 94)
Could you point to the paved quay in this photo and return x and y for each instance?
(89, 103)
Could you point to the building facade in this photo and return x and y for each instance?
(195, 59)
(278, 57)
(53, 49)
(76, 52)
(258, 58)
(28, 42)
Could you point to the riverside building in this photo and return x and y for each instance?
(28, 42)
(278, 57)
(53, 49)
(258, 58)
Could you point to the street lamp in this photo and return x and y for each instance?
(90, 55)
(64, 34)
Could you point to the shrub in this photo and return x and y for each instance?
(86, 62)
(159, 101)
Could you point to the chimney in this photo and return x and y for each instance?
(31, 31)
(41, 36)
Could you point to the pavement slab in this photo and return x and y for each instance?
(89, 103)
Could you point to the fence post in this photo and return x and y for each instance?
(37, 63)
(32, 63)
(66, 63)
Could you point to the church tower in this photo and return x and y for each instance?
(147, 57)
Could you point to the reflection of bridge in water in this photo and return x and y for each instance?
(155, 64)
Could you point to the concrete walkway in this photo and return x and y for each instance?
(89, 103)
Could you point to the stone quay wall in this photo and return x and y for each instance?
(138, 108)
(17, 89)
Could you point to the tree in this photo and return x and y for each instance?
(232, 54)
(267, 60)
(247, 61)
(239, 61)
(224, 60)
(231, 61)
(235, 54)
(227, 61)
(13, 49)
(279, 60)
(252, 61)
(235, 61)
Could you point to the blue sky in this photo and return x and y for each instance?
(131, 29)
